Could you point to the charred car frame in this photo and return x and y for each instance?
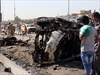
(56, 39)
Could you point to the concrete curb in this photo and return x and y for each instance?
(16, 70)
(5, 73)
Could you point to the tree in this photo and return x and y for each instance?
(17, 19)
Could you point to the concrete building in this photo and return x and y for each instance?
(82, 12)
(85, 12)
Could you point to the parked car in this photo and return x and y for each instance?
(30, 28)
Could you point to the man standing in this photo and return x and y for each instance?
(87, 35)
(96, 18)
(11, 30)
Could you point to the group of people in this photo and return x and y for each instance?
(90, 44)
(11, 30)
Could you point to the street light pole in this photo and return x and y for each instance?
(99, 6)
(0, 16)
(68, 7)
(14, 10)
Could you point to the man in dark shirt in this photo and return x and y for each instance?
(96, 18)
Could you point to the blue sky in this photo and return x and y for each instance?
(29, 9)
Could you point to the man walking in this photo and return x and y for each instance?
(11, 30)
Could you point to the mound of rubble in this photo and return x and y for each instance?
(21, 53)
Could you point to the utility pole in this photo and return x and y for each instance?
(68, 7)
(0, 17)
(99, 6)
(14, 11)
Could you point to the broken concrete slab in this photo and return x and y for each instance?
(15, 69)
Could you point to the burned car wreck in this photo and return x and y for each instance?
(10, 41)
(56, 39)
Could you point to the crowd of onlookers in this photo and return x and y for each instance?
(12, 30)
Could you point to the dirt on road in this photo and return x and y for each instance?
(22, 56)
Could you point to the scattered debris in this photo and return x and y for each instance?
(9, 41)
(56, 67)
(8, 70)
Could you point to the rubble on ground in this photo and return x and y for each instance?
(22, 56)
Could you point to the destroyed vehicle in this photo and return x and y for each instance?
(56, 40)
(10, 41)
(7, 41)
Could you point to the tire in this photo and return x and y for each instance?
(37, 57)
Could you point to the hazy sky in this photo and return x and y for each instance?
(28, 9)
